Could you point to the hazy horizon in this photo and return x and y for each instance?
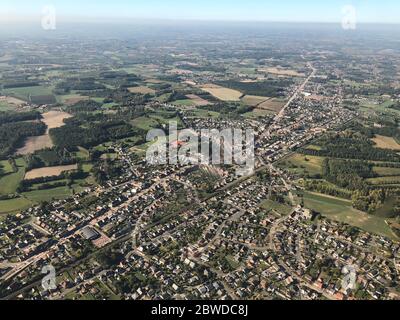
(307, 11)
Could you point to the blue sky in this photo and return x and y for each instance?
(258, 10)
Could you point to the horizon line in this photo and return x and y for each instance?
(132, 20)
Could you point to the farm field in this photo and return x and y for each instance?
(5, 167)
(38, 196)
(387, 172)
(184, 103)
(198, 101)
(33, 144)
(341, 210)
(258, 113)
(53, 119)
(4, 106)
(11, 101)
(282, 209)
(386, 143)
(301, 164)
(142, 90)
(201, 113)
(384, 180)
(13, 205)
(49, 171)
(25, 93)
(281, 72)
(9, 183)
(145, 123)
(222, 93)
(274, 105)
(253, 101)
(72, 99)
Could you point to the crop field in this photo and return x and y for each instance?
(254, 101)
(342, 211)
(282, 72)
(38, 196)
(386, 143)
(184, 103)
(222, 93)
(384, 180)
(387, 172)
(33, 144)
(53, 119)
(25, 93)
(13, 205)
(201, 113)
(197, 101)
(274, 105)
(11, 101)
(142, 90)
(72, 99)
(49, 171)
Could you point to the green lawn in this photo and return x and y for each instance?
(342, 211)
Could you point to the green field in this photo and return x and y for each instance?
(258, 113)
(6, 107)
(14, 205)
(9, 183)
(185, 102)
(301, 164)
(342, 211)
(384, 180)
(5, 167)
(47, 195)
(385, 172)
(282, 209)
(201, 113)
(82, 154)
(24, 92)
(145, 123)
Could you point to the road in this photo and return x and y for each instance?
(281, 113)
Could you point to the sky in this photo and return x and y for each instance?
(367, 11)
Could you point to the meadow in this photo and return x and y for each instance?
(341, 210)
